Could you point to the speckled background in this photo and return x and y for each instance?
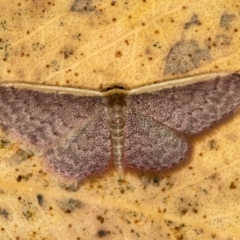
(97, 44)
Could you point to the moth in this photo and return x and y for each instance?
(81, 133)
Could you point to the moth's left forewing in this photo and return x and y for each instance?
(42, 115)
(70, 126)
(85, 153)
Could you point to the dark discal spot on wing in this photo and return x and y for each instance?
(192, 108)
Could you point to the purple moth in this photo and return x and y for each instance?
(81, 133)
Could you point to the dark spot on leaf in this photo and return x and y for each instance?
(103, 233)
(24, 177)
(185, 56)
(100, 219)
(70, 188)
(122, 191)
(183, 211)
(4, 213)
(213, 144)
(3, 143)
(67, 53)
(21, 156)
(195, 210)
(221, 40)
(40, 199)
(19, 178)
(118, 54)
(151, 180)
(82, 6)
(232, 185)
(213, 176)
(226, 20)
(69, 205)
(28, 214)
(194, 21)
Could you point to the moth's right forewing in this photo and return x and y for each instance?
(191, 108)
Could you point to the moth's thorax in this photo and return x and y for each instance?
(116, 112)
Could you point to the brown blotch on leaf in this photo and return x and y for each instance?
(118, 54)
(195, 210)
(19, 178)
(67, 53)
(100, 219)
(184, 211)
(232, 185)
(213, 144)
(102, 233)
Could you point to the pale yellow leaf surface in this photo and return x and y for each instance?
(96, 44)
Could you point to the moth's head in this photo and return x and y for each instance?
(115, 88)
(115, 91)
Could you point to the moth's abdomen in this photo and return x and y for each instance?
(117, 139)
(117, 124)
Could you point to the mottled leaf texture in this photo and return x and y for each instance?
(72, 129)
